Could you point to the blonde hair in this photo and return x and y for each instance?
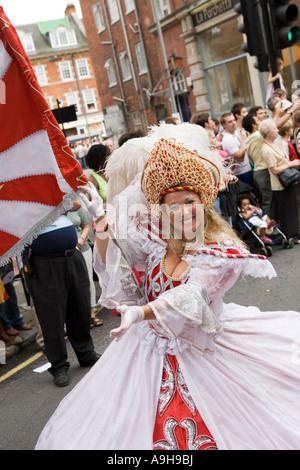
(285, 128)
(296, 119)
(216, 229)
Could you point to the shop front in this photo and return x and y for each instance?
(224, 74)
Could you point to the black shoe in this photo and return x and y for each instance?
(61, 378)
(91, 360)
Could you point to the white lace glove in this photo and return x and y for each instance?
(92, 200)
(129, 316)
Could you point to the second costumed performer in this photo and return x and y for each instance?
(185, 370)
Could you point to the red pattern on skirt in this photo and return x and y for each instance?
(178, 424)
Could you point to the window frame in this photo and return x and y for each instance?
(71, 102)
(63, 63)
(97, 12)
(92, 91)
(141, 58)
(125, 66)
(26, 40)
(129, 6)
(41, 67)
(55, 39)
(85, 60)
(163, 8)
(49, 100)
(179, 82)
(109, 66)
(113, 11)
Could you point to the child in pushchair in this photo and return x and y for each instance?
(256, 217)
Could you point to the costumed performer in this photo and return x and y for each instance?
(185, 370)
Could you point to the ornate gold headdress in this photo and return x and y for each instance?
(173, 167)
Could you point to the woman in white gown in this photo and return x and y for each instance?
(185, 370)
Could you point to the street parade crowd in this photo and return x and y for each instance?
(168, 289)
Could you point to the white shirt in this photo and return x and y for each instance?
(231, 144)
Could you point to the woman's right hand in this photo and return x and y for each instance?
(92, 200)
(129, 316)
(294, 163)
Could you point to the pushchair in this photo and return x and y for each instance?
(249, 233)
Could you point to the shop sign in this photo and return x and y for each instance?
(211, 9)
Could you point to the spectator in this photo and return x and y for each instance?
(277, 162)
(81, 223)
(239, 111)
(294, 98)
(80, 154)
(172, 120)
(9, 310)
(204, 120)
(296, 144)
(234, 146)
(286, 132)
(96, 160)
(259, 112)
(279, 94)
(256, 217)
(261, 176)
(296, 125)
(216, 126)
(129, 135)
(282, 110)
(58, 282)
(273, 79)
(7, 340)
(110, 145)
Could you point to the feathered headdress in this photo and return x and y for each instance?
(172, 167)
(130, 159)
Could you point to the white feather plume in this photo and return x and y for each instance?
(129, 160)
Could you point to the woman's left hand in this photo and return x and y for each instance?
(129, 316)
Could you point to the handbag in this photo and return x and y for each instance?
(289, 177)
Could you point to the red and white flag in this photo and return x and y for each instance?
(39, 174)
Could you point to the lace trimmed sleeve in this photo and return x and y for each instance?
(117, 278)
(184, 313)
(220, 265)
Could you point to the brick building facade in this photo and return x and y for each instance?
(153, 58)
(129, 65)
(59, 54)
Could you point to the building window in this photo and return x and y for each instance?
(72, 98)
(178, 81)
(27, 41)
(63, 37)
(225, 67)
(110, 72)
(98, 17)
(141, 58)
(40, 72)
(81, 130)
(113, 11)
(125, 66)
(163, 8)
(66, 72)
(90, 100)
(129, 5)
(83, 68)
(136, 119)
(49, 100)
